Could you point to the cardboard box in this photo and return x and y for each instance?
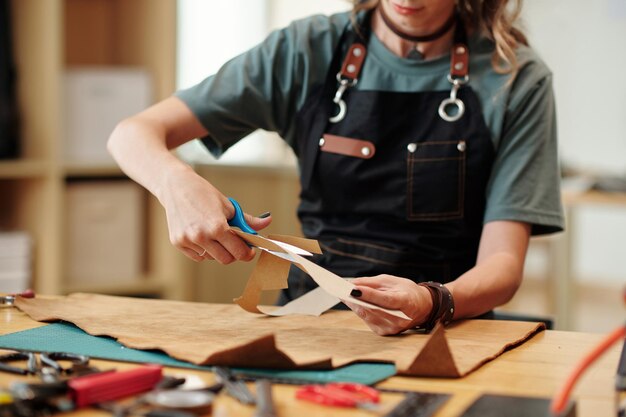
(105, 229)
(96, 99)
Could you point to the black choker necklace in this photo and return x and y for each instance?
(425, 38)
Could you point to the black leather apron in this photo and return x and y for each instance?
(415, 208)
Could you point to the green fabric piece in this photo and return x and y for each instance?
(65, 337)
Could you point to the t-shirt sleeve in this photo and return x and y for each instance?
(525, 179)
(264, 87)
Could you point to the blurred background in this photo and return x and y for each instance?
(71, 221)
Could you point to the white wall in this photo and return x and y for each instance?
(583, 43)
(210, 33)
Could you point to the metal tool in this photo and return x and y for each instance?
(51, 369)
(265, 402)
(341, 394)
(235, 387)
(31, 365)
(48, 367)
(418, 404)
(9, 300)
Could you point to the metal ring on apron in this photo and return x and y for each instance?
(453, 100)
(344, 84)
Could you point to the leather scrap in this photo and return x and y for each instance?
(223, 334)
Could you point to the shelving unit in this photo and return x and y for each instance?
(51, 36)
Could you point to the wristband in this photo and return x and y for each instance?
(443, 305)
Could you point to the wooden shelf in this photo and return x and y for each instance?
(50, 37)
(78, 169)
(24, 168)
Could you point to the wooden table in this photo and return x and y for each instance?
(534, 369)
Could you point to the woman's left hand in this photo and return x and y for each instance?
(393, 293)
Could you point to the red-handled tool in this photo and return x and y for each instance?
(340, 394)
(107, 386)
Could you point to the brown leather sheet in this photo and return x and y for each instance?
(224, 334)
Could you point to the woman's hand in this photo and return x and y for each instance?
(197, 218)
(393, 293)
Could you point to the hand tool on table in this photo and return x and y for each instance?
(341, 394)
(82, 391)
(417, 404)
(265, 401)
(9, 300)
(159, 397)
(47, 367)
(235, 387)
(31, 366)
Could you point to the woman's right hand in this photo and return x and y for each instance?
(197, 218)
(197, 213)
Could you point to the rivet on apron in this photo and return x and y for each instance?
(351, 68)
(458, 66)
(321, 142)
(460, 50)
(461, 146)
(412, 147)
(365, 151)
(357, 52)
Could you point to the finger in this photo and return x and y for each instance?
(236, 246)
(192, 254)
(259, 222)
(192, 247)
(387, 299)
(218, 252)
(379, 281)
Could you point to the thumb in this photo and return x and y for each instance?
(258, 222)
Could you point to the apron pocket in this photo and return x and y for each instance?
(435, 180)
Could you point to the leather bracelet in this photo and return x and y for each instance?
(443, 305)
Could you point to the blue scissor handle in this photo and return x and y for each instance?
(238, 220)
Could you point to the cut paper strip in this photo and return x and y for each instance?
(268, 274)
(314, 302)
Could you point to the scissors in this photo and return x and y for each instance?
(238, 220)
(341, 394)
(48, 367)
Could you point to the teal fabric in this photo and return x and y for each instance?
(65, 337)
(265, 87)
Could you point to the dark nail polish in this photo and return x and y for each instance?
(356, 293)
(264, 215)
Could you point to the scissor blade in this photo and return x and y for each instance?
(282, 255)
(292, 248)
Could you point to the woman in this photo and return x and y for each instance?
(426, 137)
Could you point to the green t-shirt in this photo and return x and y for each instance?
(265, 87)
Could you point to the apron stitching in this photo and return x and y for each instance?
(367, 244)
(374, 260)
(460, 190)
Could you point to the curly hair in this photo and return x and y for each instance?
(494, 18)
